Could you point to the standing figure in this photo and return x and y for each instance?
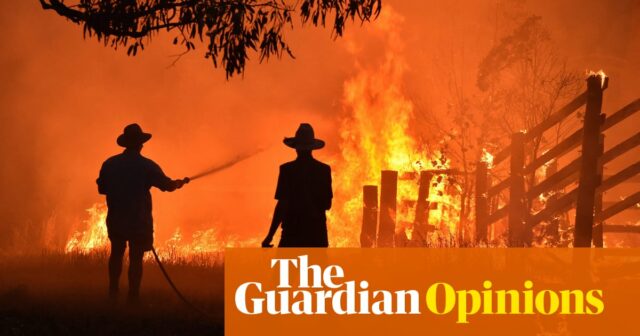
(304, 195)
(126, 179)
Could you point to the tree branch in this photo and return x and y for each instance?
(232, 27)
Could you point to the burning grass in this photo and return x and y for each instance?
(205, 248)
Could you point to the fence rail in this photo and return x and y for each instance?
(586, 171)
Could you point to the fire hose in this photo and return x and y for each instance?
(207, 172)
(173, 286)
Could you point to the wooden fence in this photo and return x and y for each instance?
(587, 171)
(379, 208)
(379, 211)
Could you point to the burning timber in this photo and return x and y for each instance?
(524, 227)
(433, 210)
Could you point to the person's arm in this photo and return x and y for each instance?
(328, 189)
(278, 212)
(102, 180)
(275, 223)
(163, 182)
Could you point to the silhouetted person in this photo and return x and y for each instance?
(304, 195)
(126, 179)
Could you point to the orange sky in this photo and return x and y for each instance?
(64, 100)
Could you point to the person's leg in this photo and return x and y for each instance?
(136, 252)
(115, 266)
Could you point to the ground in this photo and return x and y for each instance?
(58, 294)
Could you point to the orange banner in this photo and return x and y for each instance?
(431, 291)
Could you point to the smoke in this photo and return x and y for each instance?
(64, 100)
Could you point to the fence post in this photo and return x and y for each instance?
(588, 181)
(517, 201)
(482, 202)
(369, 216)
(420, 226)
(388, 204)
(598, 239)
(553, 230)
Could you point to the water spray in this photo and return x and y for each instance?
(218, 168)
(211, 171)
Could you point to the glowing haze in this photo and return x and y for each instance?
(64, 100)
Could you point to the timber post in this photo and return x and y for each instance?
(482, 201)
(553, 230)
(388, 205)
(421, 223)
(588, 181)
(598, 239)
(369, 216)
(517, 195)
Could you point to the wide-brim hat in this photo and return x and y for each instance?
(133, 136)
(305, 139)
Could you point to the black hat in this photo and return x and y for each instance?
(304, 139)
(133, 136)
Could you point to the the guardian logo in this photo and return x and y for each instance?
(320, 291)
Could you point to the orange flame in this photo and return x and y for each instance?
(487, 158)
(95, 236)
(203, 243)
(376, 135)
(600, 73)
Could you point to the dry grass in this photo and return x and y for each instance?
(58, 294)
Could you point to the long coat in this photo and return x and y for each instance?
(304, 189)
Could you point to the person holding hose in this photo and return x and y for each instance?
(126, 180)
